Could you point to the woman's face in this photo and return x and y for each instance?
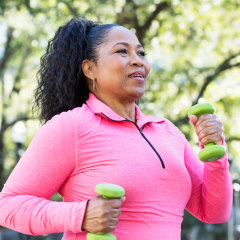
(122, 68)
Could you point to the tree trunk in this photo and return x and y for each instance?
(1, 163)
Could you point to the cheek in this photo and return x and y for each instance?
(113, 67)
(111, 74)
(147, 67)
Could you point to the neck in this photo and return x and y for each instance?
(125, 109)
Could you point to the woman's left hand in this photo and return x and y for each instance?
(208, 128)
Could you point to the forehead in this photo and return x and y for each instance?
(121, 34)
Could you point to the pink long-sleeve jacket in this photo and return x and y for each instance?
(151, 159)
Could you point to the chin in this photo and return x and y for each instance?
(137, 95)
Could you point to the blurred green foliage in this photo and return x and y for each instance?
(193, 47)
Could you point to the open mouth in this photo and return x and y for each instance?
(136, 76)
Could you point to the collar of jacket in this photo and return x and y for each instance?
(100, 108)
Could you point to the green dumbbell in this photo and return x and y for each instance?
(106, 190)
(211, 152)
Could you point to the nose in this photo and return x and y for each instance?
(136, 60)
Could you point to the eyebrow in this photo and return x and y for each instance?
(127, 44)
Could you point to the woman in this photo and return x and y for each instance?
(89, 81)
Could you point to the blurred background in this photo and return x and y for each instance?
(194, 50)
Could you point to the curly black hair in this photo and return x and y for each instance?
(62, 85)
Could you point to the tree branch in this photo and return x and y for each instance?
(225, 65)
(230, 139)
(129, 17)
(159, 8)
(221, 68)
(7, 125)
(125, 19)
(18, 76)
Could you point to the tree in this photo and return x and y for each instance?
(10, 51)
(193, 47)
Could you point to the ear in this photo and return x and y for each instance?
(88, 68)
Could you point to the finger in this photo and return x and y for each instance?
(212, 138)
(204, 119)
(207, 118)
(207, 122)
(115, 203)
(116, 213)
(112, 225)
(111, 228)
(215, 132)
(193, 119)
(209, 131)
(114, 221)
(209, 127)
(215, 138)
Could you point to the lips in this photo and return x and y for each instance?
(137, 74)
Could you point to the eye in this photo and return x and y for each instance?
(122, 51)
(141, 53)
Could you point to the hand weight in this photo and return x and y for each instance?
(106, 190)
(211, 151)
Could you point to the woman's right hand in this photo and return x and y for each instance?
(101, 215)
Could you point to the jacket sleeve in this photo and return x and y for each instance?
(47, 163)
(211, 196)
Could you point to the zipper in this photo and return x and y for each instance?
(140, 130)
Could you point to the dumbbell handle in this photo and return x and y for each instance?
(200, 109)
(209, 144)
(106, 190)
(211, 152)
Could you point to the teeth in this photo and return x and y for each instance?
(137, 76)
